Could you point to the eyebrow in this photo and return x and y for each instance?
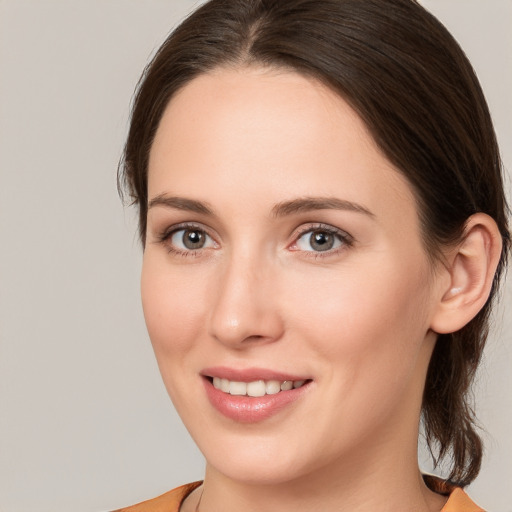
(307, 204)
(180, 203)
(300, 205)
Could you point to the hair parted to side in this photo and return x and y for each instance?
(412, 85)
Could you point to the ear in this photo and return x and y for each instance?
(471, 267)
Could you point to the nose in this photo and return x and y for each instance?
(245, 304)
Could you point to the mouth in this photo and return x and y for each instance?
(250, 396)
(255, 388)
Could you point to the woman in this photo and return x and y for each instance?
(324, 229)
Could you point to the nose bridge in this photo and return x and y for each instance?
(244, 308)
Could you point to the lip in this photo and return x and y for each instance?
(245, 409)
(249, 374)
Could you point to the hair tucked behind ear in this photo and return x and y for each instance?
(410, 82)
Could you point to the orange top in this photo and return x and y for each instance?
(171, 501)
(168, 502)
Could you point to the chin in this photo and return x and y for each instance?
(255, 460)
(257, 473)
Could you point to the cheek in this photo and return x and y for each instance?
(173, 307)
(367, 332)
(364, 310)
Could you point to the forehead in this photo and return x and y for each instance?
(269, 134)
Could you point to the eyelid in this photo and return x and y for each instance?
(165, 235)
(170, 230)
(346, 238)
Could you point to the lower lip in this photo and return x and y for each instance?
(246, 409)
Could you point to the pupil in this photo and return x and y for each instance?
(321, 241)
(193, 239)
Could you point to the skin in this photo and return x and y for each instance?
(356, 319)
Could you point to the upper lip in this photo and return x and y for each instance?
(249, 374)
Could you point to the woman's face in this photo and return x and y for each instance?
(283, 249)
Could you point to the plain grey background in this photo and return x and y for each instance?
(85, 423)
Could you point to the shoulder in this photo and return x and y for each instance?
(458, 500)
(168, 502)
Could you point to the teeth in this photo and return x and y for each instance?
(255, 388)
(287, 385)
(273, 387)
(224, 385)
(237, 388)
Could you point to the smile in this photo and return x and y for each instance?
(256, 388)
(255, 394)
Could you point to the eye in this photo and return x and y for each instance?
(190, 239)
(321, 239)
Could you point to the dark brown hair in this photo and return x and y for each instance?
(412, 85)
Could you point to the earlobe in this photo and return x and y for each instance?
(471, 268)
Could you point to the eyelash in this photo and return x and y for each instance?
(342, 236)
(346, 240)
(165, 237)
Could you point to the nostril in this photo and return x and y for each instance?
(254, 337)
